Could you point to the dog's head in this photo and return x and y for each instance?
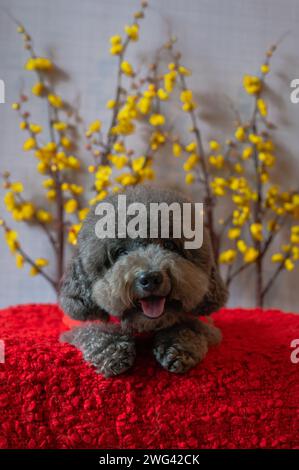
(147, 282)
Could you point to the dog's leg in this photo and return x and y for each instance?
(181, 347)
(110, 352)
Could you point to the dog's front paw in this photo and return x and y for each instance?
(110, 353)
(116, 358)
(180, 352)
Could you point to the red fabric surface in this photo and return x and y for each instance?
(244, 394)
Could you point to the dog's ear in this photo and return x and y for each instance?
(216, 295)
(75, 295)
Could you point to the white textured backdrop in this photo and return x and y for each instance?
(220, 40)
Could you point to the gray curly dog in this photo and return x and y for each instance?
(150, 285)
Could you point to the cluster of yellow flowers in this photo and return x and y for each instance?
(11, 238)
(289, 253)
(259, 208)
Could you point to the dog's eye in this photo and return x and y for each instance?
(121, 251)
(169, 245)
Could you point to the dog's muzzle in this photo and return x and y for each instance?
(148, 287)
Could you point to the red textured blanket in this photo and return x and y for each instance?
(244, 394)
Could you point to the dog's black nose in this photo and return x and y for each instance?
(150, 281)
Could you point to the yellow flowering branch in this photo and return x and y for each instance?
(22, 257)
(256, 205)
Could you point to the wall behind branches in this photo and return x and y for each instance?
(221, 40)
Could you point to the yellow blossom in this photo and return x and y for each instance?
(250, 255)
(119, 147)
(19, 260)
(255, 139)
(11, 238)
(144, 105)
(29, 144)
(126, 179)
(265, 68)
(289, 265)
(42, 167)
(267, 158)
(110, 104)
(127, 68)
(189, 178)
(44, 216)
(191, 147)
(240, 134)
(294, 238)
(116, 45)
(82, 213)
(70, 206)
(35, 128)
(41, 262)
(39, 63)
(33, 271)
(119, 161)
(241, 245)
(186, 97)
(60, 126)
(262, 107)
(51, 194)
(73, 233)
(157, 139)
(15, 106)
(228, 256)
(234, 233)
(277, 258)
(252, 84)
(176, 149)
(73, 162)
(218, 186)
(162, 94)
(157, 120)
(99, 197)
(27, 211)
(214, 145)
(37, 89)
(115, 40)
(65, 142)
(138, 164)
(184, 71)
(169, 80)
(132, 31)
(16, 187)
(238, 168)
(256, 230)
(191, 162)
(9, 200)
(76, 189)
(247, 152)
(217, 161)
(55, 100)
(23, 125)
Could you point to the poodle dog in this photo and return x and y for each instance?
(146, 284)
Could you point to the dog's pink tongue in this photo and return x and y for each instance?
(153, 308)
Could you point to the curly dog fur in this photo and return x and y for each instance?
(105, 278)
